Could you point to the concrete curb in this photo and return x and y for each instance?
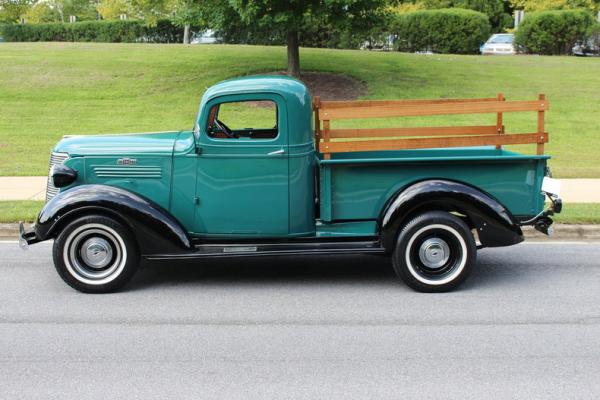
(10, 231)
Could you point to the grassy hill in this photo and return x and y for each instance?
(51, 89)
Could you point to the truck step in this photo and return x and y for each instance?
(216, 250)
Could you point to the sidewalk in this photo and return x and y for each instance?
(34, 188)
(22, 188)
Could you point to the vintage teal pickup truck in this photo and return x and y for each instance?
(264, 173)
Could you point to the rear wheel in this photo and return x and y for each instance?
(95, 254)
(435, 252)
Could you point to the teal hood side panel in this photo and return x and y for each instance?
(149, 177)
(131, 145)
(142, 164)
(360, 191)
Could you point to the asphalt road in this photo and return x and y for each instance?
(526, 325)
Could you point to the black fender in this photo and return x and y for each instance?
(156, 230)
(495, 225)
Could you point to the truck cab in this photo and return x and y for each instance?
(259, 175)
(256, 160)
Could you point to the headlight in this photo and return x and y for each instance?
(62, 176)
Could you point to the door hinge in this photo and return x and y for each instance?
(198, 150)
(196, 200)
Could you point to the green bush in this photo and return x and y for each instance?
(94, 31)
(553, 32)
(447, 30)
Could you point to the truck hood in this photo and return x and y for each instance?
(157, 143)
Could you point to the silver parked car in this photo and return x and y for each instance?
(499, 44)
(588, 48)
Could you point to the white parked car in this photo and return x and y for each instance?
(499, 43)
(206, 37)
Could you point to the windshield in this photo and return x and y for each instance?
(501, 39)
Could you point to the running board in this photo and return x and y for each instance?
(272, 249)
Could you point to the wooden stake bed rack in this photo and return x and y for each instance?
(422, 137)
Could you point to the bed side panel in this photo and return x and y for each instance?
(360, 191)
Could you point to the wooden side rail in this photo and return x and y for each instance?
(422, 137)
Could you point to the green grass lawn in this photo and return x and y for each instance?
(579, 213)
(15, 211)
(573, 213)
(51, 89)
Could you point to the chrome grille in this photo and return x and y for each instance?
(55, 159)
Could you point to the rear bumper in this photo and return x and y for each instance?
(27, 237)
(542, 222)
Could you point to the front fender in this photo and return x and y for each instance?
(155, 228)
(495, 225)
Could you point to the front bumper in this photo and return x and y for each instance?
(27, 237)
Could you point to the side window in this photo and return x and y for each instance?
(243, 120)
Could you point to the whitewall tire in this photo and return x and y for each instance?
(95, 254)
(435, 252)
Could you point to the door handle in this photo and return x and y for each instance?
(276, 152)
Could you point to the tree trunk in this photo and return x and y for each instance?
(186, 34)
(293, 53)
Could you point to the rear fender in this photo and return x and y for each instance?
(495, 225)
(156, 230)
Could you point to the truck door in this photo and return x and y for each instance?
(242, 178)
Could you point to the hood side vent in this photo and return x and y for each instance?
(108, 171)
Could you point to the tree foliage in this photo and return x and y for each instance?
(41, 12)
(82, 9)
(546, 5)
(11, 11)
(498, 11)
(113, 9)
(290, 21)
(152, 10)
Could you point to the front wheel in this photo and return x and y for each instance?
(95, 254)
(435, 252)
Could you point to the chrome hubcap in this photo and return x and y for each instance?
(434, 253)
(96, 252)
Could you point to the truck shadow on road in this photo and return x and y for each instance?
(305, 270)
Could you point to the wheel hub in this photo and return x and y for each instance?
(96, 252)
(434, 253)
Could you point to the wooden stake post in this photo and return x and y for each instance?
(499, 125)
(316, 105)
(540, 126)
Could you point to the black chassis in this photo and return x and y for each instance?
(160, 236)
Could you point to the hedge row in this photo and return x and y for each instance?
(553, 32)
(450, 30)
(94, 31)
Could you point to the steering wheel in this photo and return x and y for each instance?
(225, 129)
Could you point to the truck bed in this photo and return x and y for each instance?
(355, 186)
